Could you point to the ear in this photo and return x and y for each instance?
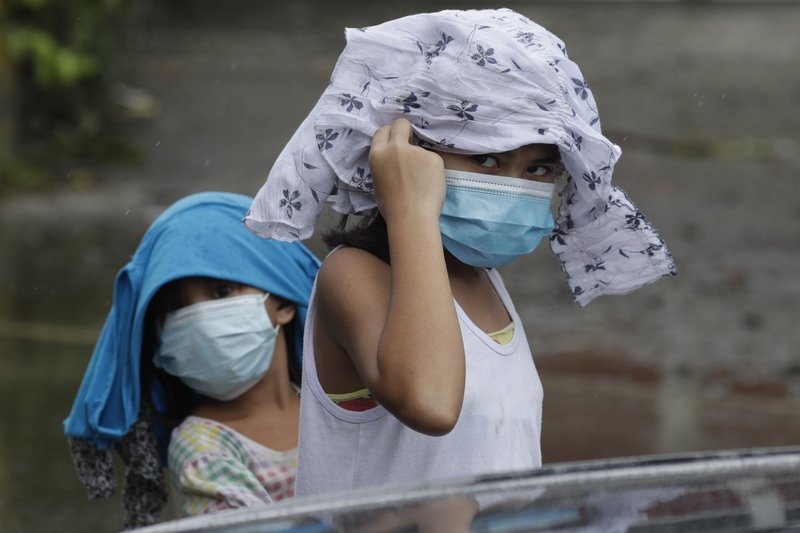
(285, 313)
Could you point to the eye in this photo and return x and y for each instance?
(223, 289)
(486, 160)
(539, 171)
(545, 172)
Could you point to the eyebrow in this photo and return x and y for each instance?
(555, 158)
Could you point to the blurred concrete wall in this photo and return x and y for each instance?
(700, 96)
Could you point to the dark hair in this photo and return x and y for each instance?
(290, 334)
(367, 232)
(177, 400)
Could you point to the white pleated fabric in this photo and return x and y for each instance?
(469, 81)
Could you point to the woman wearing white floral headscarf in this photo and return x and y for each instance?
(456, 126)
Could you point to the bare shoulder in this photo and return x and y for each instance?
(352, 299)
(348, 272)
(350, 260)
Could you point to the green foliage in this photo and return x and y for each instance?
(17, 174)
(56, 55)
(54, 66)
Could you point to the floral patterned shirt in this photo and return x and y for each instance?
(214, 468)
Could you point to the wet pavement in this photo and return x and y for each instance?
(699, 95)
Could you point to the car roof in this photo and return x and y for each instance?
(729, 490)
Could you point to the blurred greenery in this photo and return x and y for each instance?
(56, 112)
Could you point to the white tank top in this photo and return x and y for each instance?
(498, 430)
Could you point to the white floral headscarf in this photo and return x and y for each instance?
(472, 81)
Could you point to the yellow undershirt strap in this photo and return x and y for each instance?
(503, 336)
(347, 396)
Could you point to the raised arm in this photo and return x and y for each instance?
(398, 324)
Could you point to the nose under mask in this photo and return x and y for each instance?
(489, 221)
(219, 348)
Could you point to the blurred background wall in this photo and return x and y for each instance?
(110, 111)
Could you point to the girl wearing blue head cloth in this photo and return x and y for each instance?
(198, 366)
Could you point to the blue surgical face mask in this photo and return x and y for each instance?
(219, 348)
(488, 221)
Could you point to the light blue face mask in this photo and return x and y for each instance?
(219, 348)
(488, 221)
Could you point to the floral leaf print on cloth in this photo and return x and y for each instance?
(469, 81)
(350, 102)
(463, 110)
(289, 202)
(484, 56)
(410, 103)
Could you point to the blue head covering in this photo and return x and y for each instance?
(200, 235)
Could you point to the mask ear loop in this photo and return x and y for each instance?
(276, 327)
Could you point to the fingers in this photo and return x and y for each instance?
(391, 140)
(405, 175)
(402, 131)
(399, 130)
(382, 135)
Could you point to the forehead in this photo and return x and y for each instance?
(196, 285)
(532, 152)
(535, 151)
